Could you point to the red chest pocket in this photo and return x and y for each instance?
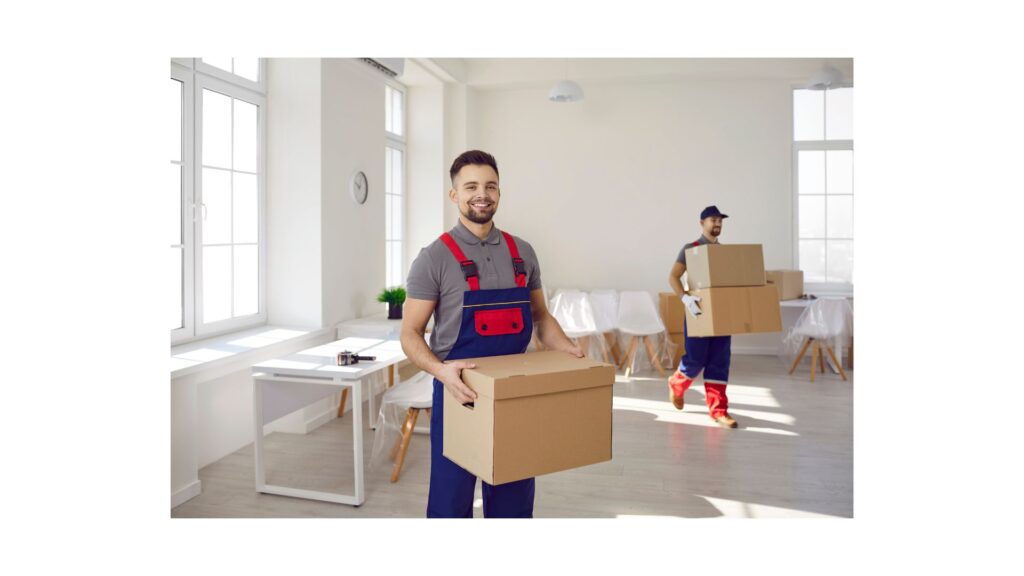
(499, 322)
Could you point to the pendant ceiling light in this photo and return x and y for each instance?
(566, 90)
(827, 78)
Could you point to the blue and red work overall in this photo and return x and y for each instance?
(712, 354)
(494, 322)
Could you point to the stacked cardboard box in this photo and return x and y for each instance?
(674, 317)
(534, 414)
(735, 298)
(789, 282)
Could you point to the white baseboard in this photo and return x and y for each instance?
(187, 493)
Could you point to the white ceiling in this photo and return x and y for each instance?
(500, 73)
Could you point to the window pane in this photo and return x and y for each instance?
(840, 216)
(173, 206)
(839, 168)
(215, 211)
(839, 114)
(175, 309)
(396, 114)
(388, 271)
(812, 216)
(177, 98)
(248, 68)
(808, 115)
(222, 63)
(840, 261)
(396, 264)
(216, 283)
(246, 209)
(396, 172)
(387, 108)
(811, 179)
(396, 218)
(245, 149)
(388, 232)
(387, 171)
(216, 129)
(247, 280)
(812, 260)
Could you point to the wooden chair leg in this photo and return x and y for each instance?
(410, 423)
(814, 359)
(391, 375)
(654, 355)
(832, 355)
(613, 345)
(341, 404)
(603, 345)
(631, 354)
(622, 361)
(584, 342)
(800, 356)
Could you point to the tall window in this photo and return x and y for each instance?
(394, 185)
(218, 184)
(823, 169)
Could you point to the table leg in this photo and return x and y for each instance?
(373, 403)
(357, 440)
(257, 418)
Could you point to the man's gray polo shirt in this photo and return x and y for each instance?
(436, 275)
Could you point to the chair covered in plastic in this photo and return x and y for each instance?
(639, 319)
(824, 321)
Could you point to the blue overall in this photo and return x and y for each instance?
(494, 323)
(712, 354)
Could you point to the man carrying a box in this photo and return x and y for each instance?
(711, 354)
(482, 286)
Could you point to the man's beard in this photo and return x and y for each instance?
(716, 231)
(478, 217)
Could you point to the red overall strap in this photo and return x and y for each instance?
(517, 263)
(468, 266)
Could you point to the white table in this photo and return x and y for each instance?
(283, 385)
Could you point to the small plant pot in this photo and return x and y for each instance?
(394, 311)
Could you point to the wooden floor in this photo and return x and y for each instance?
(792, 456)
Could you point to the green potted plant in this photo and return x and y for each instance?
(395, 297)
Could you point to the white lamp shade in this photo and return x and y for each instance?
(827, 78)
(566, 91)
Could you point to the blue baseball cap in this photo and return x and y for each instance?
(712, 211)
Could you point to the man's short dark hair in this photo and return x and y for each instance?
(478, 157)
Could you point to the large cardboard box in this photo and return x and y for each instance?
(735, 310)
(720, 265)
(534, 414)
(789, 282)
(671, 308)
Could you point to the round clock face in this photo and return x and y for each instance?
(359, 187)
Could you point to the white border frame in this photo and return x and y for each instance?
(186, 77)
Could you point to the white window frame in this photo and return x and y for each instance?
(243, 89)
(392, 140)
(185, 76)
(816, 288)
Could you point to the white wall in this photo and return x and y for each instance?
(294, 243)
(427, 176)
(353, 235)
(609, 189)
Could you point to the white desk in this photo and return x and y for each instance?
(283, 385)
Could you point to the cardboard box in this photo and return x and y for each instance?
(721, 265)
(736, 310)
(534, 414)
(789, 282)
(671, 309)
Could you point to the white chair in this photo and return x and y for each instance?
(535, 344)
(606, 318)
(574, 313)
(639, 319)
(399, 409)
(825, 320)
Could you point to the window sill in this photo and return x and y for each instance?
(236, 350)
